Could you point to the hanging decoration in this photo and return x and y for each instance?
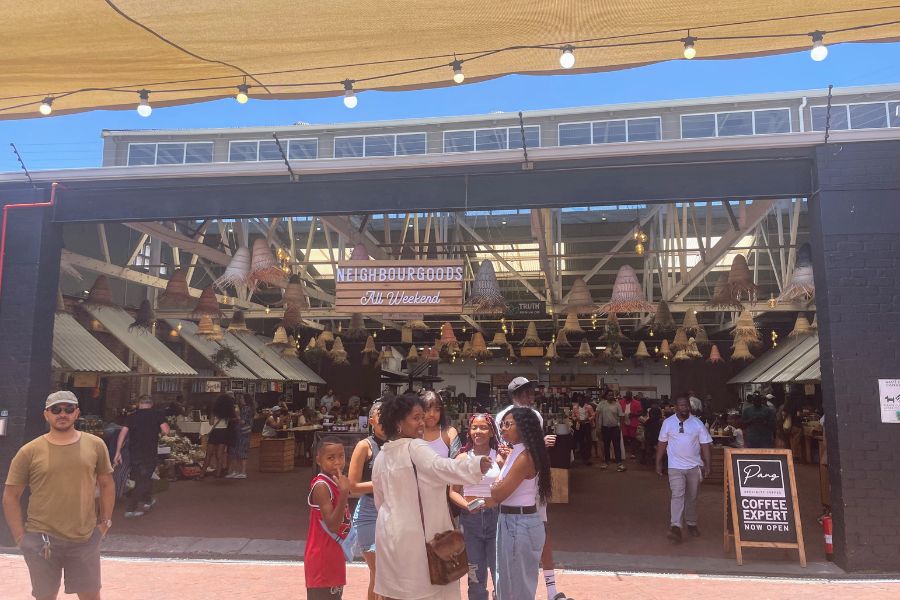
(434, 355)
(479, 347)
(640, 239)
(681, 355)
(406, 335)
(741, 351)
(702, 338)
(327, 335)
(690, 323)
(681, 340)
(664, 350)
(412, 356)
(208, 304)
(280, 339)
(602, 357)
(291, 319)
(144, 320)
(357, 328)
(714, 355)
(531, 336)
(580, 300)
(417, 325)
(615, 352)
(584, 352)
(692, 350)
(485, 296)
(176, 295)
(360, 252)
(448, 339)
(338, 354)
(499, 339)
(264, 267)
(467, 351)
(641, 353)
(511, 356)
(612, 331)
(205, 326)
(745, 330)
(740, 281)
(294, 294)
(572, 325)
(238, 321)
(551, 354)
(627, 295)
(217, 333)
(237, 273)
(802, 285)
(290, 350)
(721, 297)
(369, 351)
(100, 294)
(562, 339)
(801, 326)
(663, 320)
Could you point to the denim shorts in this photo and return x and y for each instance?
(79, 561)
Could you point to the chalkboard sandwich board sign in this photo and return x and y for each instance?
(761, 507)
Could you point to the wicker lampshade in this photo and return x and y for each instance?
(208, 304)
(615, 352)
(327, 334)
(641, 352)
(551, 353)
(370, 348)
(176, 294)
(467, 351)
(357, 328)
(745, 330)
(681, 341)
(714, 355)
(701, 337)
(406, 335)
(681, 355)
(627, 294)
(413, 355)
(690, 323)
(692, 350)
(311, 345)
(100, 294)
(360, 252)
(740, 280)
(664, 350)
(448, 339)
(531, 336)
(205, 327)
(238, 321)
(292, 349)
(294, 293)
(263, 266)
(479, 346)
(434, 355)
(722, 298)
(237, 272)
(572, 325)
(602, 357)
(562, 339)
(280, 338)
(338, 354)
(292, 318)
(217, 334)
(741, 351)
(802, 286)
(485, 296)
(612, 331)
(511, 354)
(662, 320)
(499, 339)
(801, 326)
(580, 301)
(417, 325)
(144, 319)
(584, 351)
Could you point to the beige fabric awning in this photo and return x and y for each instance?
(98, 54)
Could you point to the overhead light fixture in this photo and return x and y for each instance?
(144, 109)
(350, 99)
(458, 75)
(819, 50)
(689, 50)
(242, 95)
(567, 58)
(46, 106)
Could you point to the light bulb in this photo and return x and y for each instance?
(819, 50)
(350, 99)
(639, 249)
(242, 95)
(689, 50)
(144, 109)
(458, 75)
(46, 106)
(567, 58)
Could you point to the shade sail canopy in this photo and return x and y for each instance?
(208, 348)
(75, 349)
(150, 350)
(99, 54)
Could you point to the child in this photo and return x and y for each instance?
(324, 563)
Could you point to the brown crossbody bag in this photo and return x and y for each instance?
(446, 552)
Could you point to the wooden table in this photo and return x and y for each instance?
(276, 455)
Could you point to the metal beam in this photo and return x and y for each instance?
(540, 231)
(173, 238)
(104, 245)
(349, 228)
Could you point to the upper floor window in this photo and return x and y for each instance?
(401, 144)
(169, 153)
(263, 150)
(494, 138)
(869, 115)
(739, 122)
(644, 129)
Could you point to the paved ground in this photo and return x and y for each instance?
(130, 579)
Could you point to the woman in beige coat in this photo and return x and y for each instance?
(401, 563)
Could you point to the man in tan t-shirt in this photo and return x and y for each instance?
(62, 533)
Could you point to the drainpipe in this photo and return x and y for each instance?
(3, 227)
(802, 120)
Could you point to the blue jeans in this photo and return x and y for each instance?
(520, 540)
(480, 532)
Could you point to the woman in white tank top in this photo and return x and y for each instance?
(439, 435)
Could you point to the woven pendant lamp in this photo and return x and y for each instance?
(580, 301)
(663, 320)
(801, 326)
(627, 295)
(338, 354)
(499, 339)
(615, 352)
(292, 318)
(572, 325)
(740, 280)
(370, 348)
(205, 326)
(802, 286)
(741, 351)
(584, 351)
(217, 333)
(417, 325)
(208, 304)
(641, 353)
(531, 336)
(721, 297)
(238, 321)
(406, 335)
(701, 337)
(144, 319)
(360, 252)
(448, 339)
(745, 330)
(176, 294)
(681, 355)
(280, 339)
(485, 296)
(467, 351)
(311, 345)
(237, 272)
(562, 339)
(413, 355)
(327, 334)
(602, 357)
(664, 350)
(322, 341)
(692, 350)
(434, 355)
(294, 293)
(100, 294)
(815, 322)
(357, 328)
(263, 266)
(551, 353)
(479, 347)
(681, 340)
(690, 323)
(511, 356)
(612, 331)
(714, 355)
(292, 349)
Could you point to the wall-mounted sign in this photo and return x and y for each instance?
(399, 286)
(526, 310)
(86, 380)
(213, 387)
(237, 385)
(302, 386)
(889, 393)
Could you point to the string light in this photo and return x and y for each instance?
(242, 95)
(46, 106)
(567, 58)
(689, 50)
(144, 109)
(458, 75)
(819, 50)
(350, 99)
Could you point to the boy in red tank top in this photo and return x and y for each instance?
(324, 564)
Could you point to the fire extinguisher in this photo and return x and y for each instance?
(829, 545)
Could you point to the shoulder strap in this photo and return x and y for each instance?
(419, 494)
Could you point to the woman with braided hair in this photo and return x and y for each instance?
(520, 531)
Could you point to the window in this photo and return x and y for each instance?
(532, 137)
(170, 153)
(349, 147)
(868, 116)
(574, 134)
(243, 151)
(894, 113)
(610, 131)
(741, 122)
(838, 118)
(268, 150)
(875, 115)
(379, 145)
(411, 143)
(494, 138)
(605, 132)
(491, 139)
(303, 149)
(142, 259)
(261, 150)
(772, 121)
(734, 123)
(644, 130)
(698, 126)
(459, 141)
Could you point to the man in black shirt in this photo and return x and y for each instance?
(142, 430)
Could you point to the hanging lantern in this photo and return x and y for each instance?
(417, 325)
(369, 348)
(562, 340)
(580, 300)
(264, 267)
(612, 331)
(662, 320)
(721, 297)
(176, 295)
(448, 339)
(237, 273)
(690, 323)
(627, 295)
(603, 357)
(511, 354)
(664, 350)
(531, 336)
(144, 319)
(584, 351)
(641, 353)
(434, 355)
(238, 321)
(280, 339)
(551, 353)
(714, 355)
(499, 339)
(217, 333)
(572, 325)
(741, 351)
(681, 341)
(701, 337)
(485, 296)
(294, 293)
(326, 334)
(681, 355)
(360, 252)
(338, 354)
(745, 330)
(615, 352)
(479, 347)
(292, 349)
(467, 351)
(406, 335)
(692, 350)
(205, 327)
(208, 304)
(357, 328)
(292, 318)
(740, 280)
(413, 355)
(100, 294)
(802, 286)
(801, 326)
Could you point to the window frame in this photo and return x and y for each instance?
(156, 144)
(824, 107)
(752, 112)
(475, 131)
(286, 143)
(364, 136)
(887, 114)
(627, 120)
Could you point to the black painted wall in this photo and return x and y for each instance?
(855, 223)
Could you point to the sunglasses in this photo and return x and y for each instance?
(680, 426)
(56, 409)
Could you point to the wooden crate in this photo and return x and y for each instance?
(276, 455)
(559, 479)
(255, 439)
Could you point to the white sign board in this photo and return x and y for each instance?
(889, 397)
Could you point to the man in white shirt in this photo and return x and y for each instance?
(327, 401)
(686, 441)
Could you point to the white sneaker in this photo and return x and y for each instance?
(231, 476)
(150, 505)
(240, 476)
(134, 514)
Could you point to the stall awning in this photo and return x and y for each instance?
(250, 358)
(769, 375)
(208, 348)
(803, 362)
(291, 368)
(75, 349)
(764, 362)
(150, 350)
(812, 374)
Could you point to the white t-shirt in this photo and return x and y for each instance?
(683, 449)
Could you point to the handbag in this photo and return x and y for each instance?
(446, 552)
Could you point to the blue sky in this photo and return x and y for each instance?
(74, 140)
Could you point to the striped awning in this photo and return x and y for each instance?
(75, 349)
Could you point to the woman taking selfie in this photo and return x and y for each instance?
(442, 438)
(478, 511)
(520, 531)
(407, 474)
(360, 475)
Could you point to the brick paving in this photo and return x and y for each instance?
(140, 579)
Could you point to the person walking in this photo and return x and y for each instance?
(631, 419)
(219, 436)
(609, 417)
(520, 532)
(686, 442)
(240, 452)
(62, 469)
(408, 475)
(583, 415)
(759, 424)
(142, 429)
(440, 436)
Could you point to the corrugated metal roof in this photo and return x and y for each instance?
(790, 358)
(75, 349)
(291, 368)
(252, 359)
(803, 362)
(813, 373)
(761, 364)
(152, 351)
(208, 347)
